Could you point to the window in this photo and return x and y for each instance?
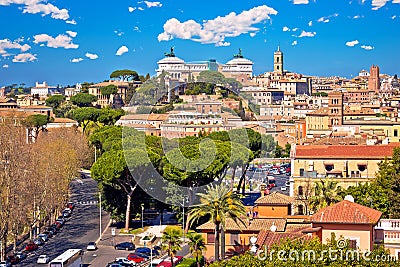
(362, 167)
(352, 243)
(300, 190)
(395, 132)
(210, 238)
(300, 210)
(329, 167)
(301, 172)
(235, 239)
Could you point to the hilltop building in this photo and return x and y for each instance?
(43, 89)
(374, 83)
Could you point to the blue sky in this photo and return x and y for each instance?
(70, 41)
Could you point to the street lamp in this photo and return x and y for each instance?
(142, 205)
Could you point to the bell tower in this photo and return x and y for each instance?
(278, 61)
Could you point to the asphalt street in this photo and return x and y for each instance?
(81, 228)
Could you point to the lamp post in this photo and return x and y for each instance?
(142, 205)
(100, 214)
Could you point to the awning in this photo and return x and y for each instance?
(334, 172)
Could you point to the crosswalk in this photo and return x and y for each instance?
(92, 202)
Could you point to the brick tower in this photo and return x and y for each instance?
(373, 81)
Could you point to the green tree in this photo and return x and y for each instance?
(55, 101)
(171, 240)
(278, 151)
(124, 169)
(197, 245)
(218, 204)
(109, 116)
(125, 75)
(388, 177)
(36, 123)
(83, 99)
(325, 194)
(108, 90)
(85, 115)
(147, 76)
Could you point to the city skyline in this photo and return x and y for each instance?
(69, 42)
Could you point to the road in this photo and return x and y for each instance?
(81, 228)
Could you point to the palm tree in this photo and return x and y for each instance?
(219, 203)
(197, 246)
(325, 194)
(171, 240)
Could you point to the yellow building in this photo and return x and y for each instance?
(349, 165)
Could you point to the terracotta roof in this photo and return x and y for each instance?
(254, 225)
(274, 198)
(63, 120)
(363, 111)
(345, 151)
(144, 117)
(259, 224)
(347, 212)
(116, 83)
(268, 238)
(229, 225)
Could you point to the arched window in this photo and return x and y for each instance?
(300, 190)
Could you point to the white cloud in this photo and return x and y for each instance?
(357, 17)
(294, 42)
(140, 8)
(216, 30)
(252, 34)
(367, 47)
(298, 2)
(377, 4)
(327, 18)
(38, 6)
(307, 34)
(61, 40)
(136, 29)
(152, 4)
(24, 57)
(131, 9)
(47, 9)
(295, 29)
(72, 21)
(5, 66)
(72, 34)
(76, 60)
(286, 29)
(393, 17)
(122, 50)
(352, 43)
(118, 32)
(91, 56)
(7, 44)
(310, 23)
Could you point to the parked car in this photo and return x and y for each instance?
(21, 255)
(125, 246)
(114, 264)
(136, 258)
(147, 251)
(283, 188)
(43, 259)
(48, 234)
(167, 262)
(61, 220)
(38, 241)
(5, 264)
(91, 246)
(12, 259)
(287, 183)
(125, 262)
(44, 237)
(31, 246)
(71, 205)
(66, 214)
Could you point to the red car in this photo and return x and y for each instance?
(135, 258)
(31, 246)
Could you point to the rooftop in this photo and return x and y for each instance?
(347, 212)
(274, 198)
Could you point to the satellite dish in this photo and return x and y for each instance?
(349, 198)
